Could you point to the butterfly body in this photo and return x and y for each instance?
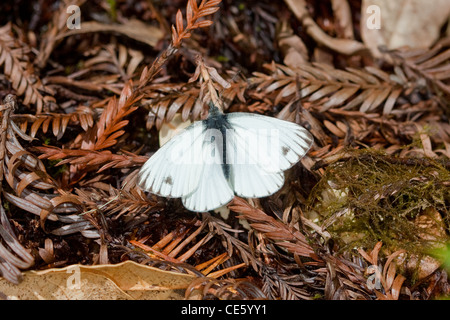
(225, 155)
(218, 121)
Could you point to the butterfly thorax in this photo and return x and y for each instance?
(218, 121)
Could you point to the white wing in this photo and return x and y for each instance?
(175, 170)
(250, 181)
(274, 145)
(259, 149)
(213, 189)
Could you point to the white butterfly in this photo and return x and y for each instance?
(212, 160)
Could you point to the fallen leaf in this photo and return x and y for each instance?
(171, 129)
(124, 281)
(413, 23)
(432, 229)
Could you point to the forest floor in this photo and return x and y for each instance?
(91, 89)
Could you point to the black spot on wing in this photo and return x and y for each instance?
(285, 150)
(168, 180)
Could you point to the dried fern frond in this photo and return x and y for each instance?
(326, 87)
(102, 135)
(344, 279)
(171, 248)
(165, 108)
(231, 243)
(194, 13)
(111, 121)
(225, 289)
(125, 203)
(18, 70)
(57, 122)
(108, 68)
(115, 59)
(29, 184)
(16, 257)
(191, 100)
(284, 236)
(102, 200)
(287, 284)
(425, 68)
(95, 159)
(187, 101)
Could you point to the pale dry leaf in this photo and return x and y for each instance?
(413, 23)
(421, 266)
(291, 45)
(124, 281)
(432, 228)
(136, 59)
(171, 129)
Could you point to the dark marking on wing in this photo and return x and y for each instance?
(169, 180)
(285, 150)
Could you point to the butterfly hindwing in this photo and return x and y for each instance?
(246, 175)
(251, 181)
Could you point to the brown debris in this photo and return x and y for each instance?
(82, 110)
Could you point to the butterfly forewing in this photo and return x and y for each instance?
(213, 189)
(259, 149)
(175, 169)
(276, 145)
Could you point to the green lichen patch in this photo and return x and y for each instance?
(370, 196)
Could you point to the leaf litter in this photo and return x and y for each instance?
(364, 216)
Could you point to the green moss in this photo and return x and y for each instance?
(443, 255)
(112, 8)
(54, 170)
(371, 196)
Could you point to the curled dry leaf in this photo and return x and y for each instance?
(132, 28)
(344, 46)
(390, 281)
